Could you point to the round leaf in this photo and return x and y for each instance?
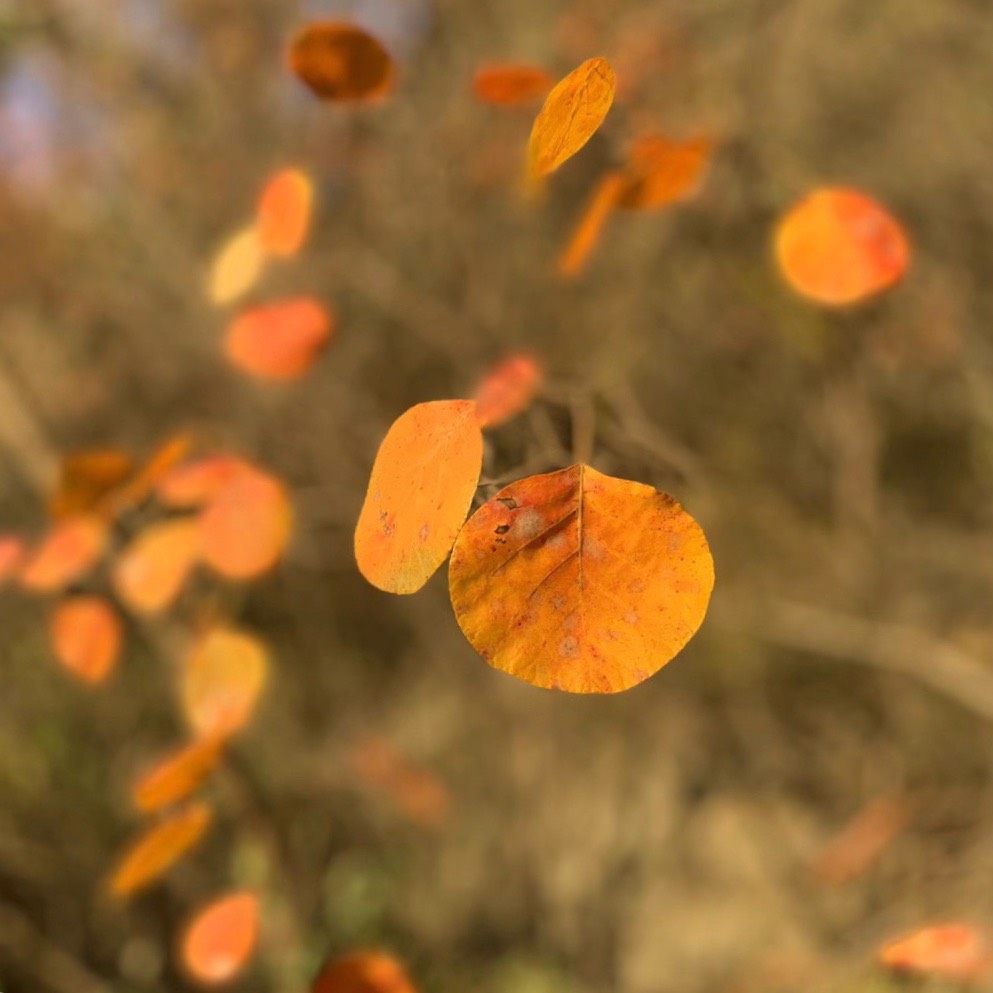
(86, 637)
(151, 571)
(279, 340)
(221, 937)
(578, 581)
(339, 61)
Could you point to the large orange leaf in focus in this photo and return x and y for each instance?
(177, 775)
(339, 61)
(223, 676)
(221, 937)
(578, 581)
(363, 972)
(279, 340)
(159, 848)
(236, 267)
(85, 478)
(422, 483)
(588, 232)
(511, 85)
(661, 171)
(86, 637)
(283, 212)
(570, 116)
(956, 951)
(70, 549)
(507, 389)
(246, 527)
(151, 572)
(196, 483)
(838, 246)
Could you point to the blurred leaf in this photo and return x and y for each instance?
(511, 85)
(236, 266)
(70, 549)
(959, 952)
(86, 637)
(587, 234)
(507, 389)
(283, 212)
(221, 938)
(341, 62)
(177, 775)
(363, 972)
(150, 573)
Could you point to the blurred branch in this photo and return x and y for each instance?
(895, 647)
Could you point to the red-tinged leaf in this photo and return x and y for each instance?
(151, 572)
(283, 212)
(12, 554)
(221, 937)
(69, 550)
(246, 527)
(341, 62)
(158, 849)
(179, 774)
(196, 483)
(838, 246)
(422, 483)
(511, 84)
(86, 638)
(578, 581)
(279, 340)
(363, 972)
(507, 389)
(959, 952)
(660, 171)
(223, 677)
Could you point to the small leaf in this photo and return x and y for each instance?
(151, 572)
(958, 952)
(245, 528)
(70, 549)
(156, 851)
(661, 171)
(280, 340)
(12, 553)
(363, 972)
(839, 246)
(571, 114)
(223, 676)
(86, 637)
(138, 489)
(511, 85)
(221, 937)
(507, 389)
(236, 267)
(177, 775)
(577, 581)
(283, 212)
(85, 478)
(590, 228)
(422, 483)
(196, 483)
(341, 62)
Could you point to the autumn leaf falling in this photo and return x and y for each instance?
(572, 113)
(86, 637)
(507, 389)
(177, 775)
(578, 581)
(220, 938)
(340, 62)
(422, 483)
(506, 84)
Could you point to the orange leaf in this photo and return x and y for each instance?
(71, 548)
(280, 340)
(957, 952)
(283, 212)
(221, 938)
(577, 581)
(86, 637)
(150, 573)
(363, 972)
(340, 61)
(236, 266)
(838, 246)
(178, 774)
(571, 114)
(661, 171)
(246, 527)
(587, 234)
(85, 478)
(141, 486)
(510, 85)
(507, 389)
(223, 677)
(860, 843)
(12, 552)
(156, 851)
(196, 483)
(422, 483)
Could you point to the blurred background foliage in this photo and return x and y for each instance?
(841, 464)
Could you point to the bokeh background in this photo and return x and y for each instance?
(668, 839)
